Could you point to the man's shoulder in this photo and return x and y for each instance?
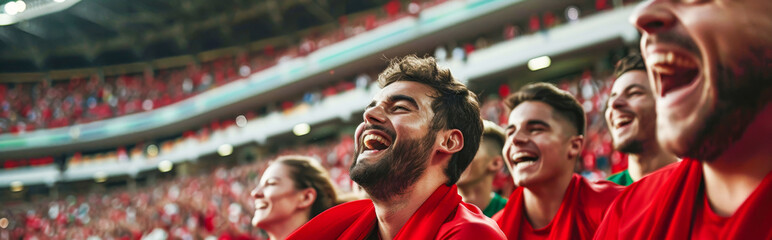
(333, 222)
(604, 187)
(469, 222)
(352, 205)
(646, 186)
(351, 209)
(598, 194)
(600, 188)
(654, 180)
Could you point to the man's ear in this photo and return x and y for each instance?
(576, 144)
(307, 198)
(452, 141)
(496, 164)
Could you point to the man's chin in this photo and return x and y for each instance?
(708, 137)
(462, 183)
(674, 146)
(524, 181)
(688, 143)
(620, 145)
(676, 138)
(368, 172)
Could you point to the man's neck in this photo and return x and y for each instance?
(478, 192)
(543, 202)
(393, 213)
(732, 177)
(641, 164)
(282, 230)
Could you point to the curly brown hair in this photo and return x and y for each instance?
(454, 105)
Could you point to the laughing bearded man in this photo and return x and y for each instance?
(419, 134)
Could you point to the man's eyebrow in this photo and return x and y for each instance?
(635, 85)
(372, 104)
(400, 97)
(631, 86)
(537, 122)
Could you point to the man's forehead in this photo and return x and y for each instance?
(634, 78)
(530, 110)
(418, 91)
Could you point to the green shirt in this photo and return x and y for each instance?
(496, 204)
(622, 178)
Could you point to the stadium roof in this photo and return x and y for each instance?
(106, 32)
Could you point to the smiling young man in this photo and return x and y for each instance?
(419, 134)
(632, 119)
(476, 183)
(545, 136)
(708, 63)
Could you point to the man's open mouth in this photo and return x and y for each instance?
(673, 70)
(524, 157)
(622, 121)
(375, 141)
(259, 205)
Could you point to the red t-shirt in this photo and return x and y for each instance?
(442, 216)
(706, 222)
(580, 213)
(469, 222)
(670, 204)
(535, 234)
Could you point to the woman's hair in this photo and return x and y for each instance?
(306, 172)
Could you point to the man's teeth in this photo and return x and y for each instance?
(525, 164)
(667, 62)
(519, 156)
(622, 120)
(369, 138)
(261, 205)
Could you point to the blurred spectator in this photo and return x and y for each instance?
(392, 8)
(510, 32)
(533, 23)
(292, 190)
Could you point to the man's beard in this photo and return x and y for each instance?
(632, 146)
(398, 169)
(742, 91)
(740, 98)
